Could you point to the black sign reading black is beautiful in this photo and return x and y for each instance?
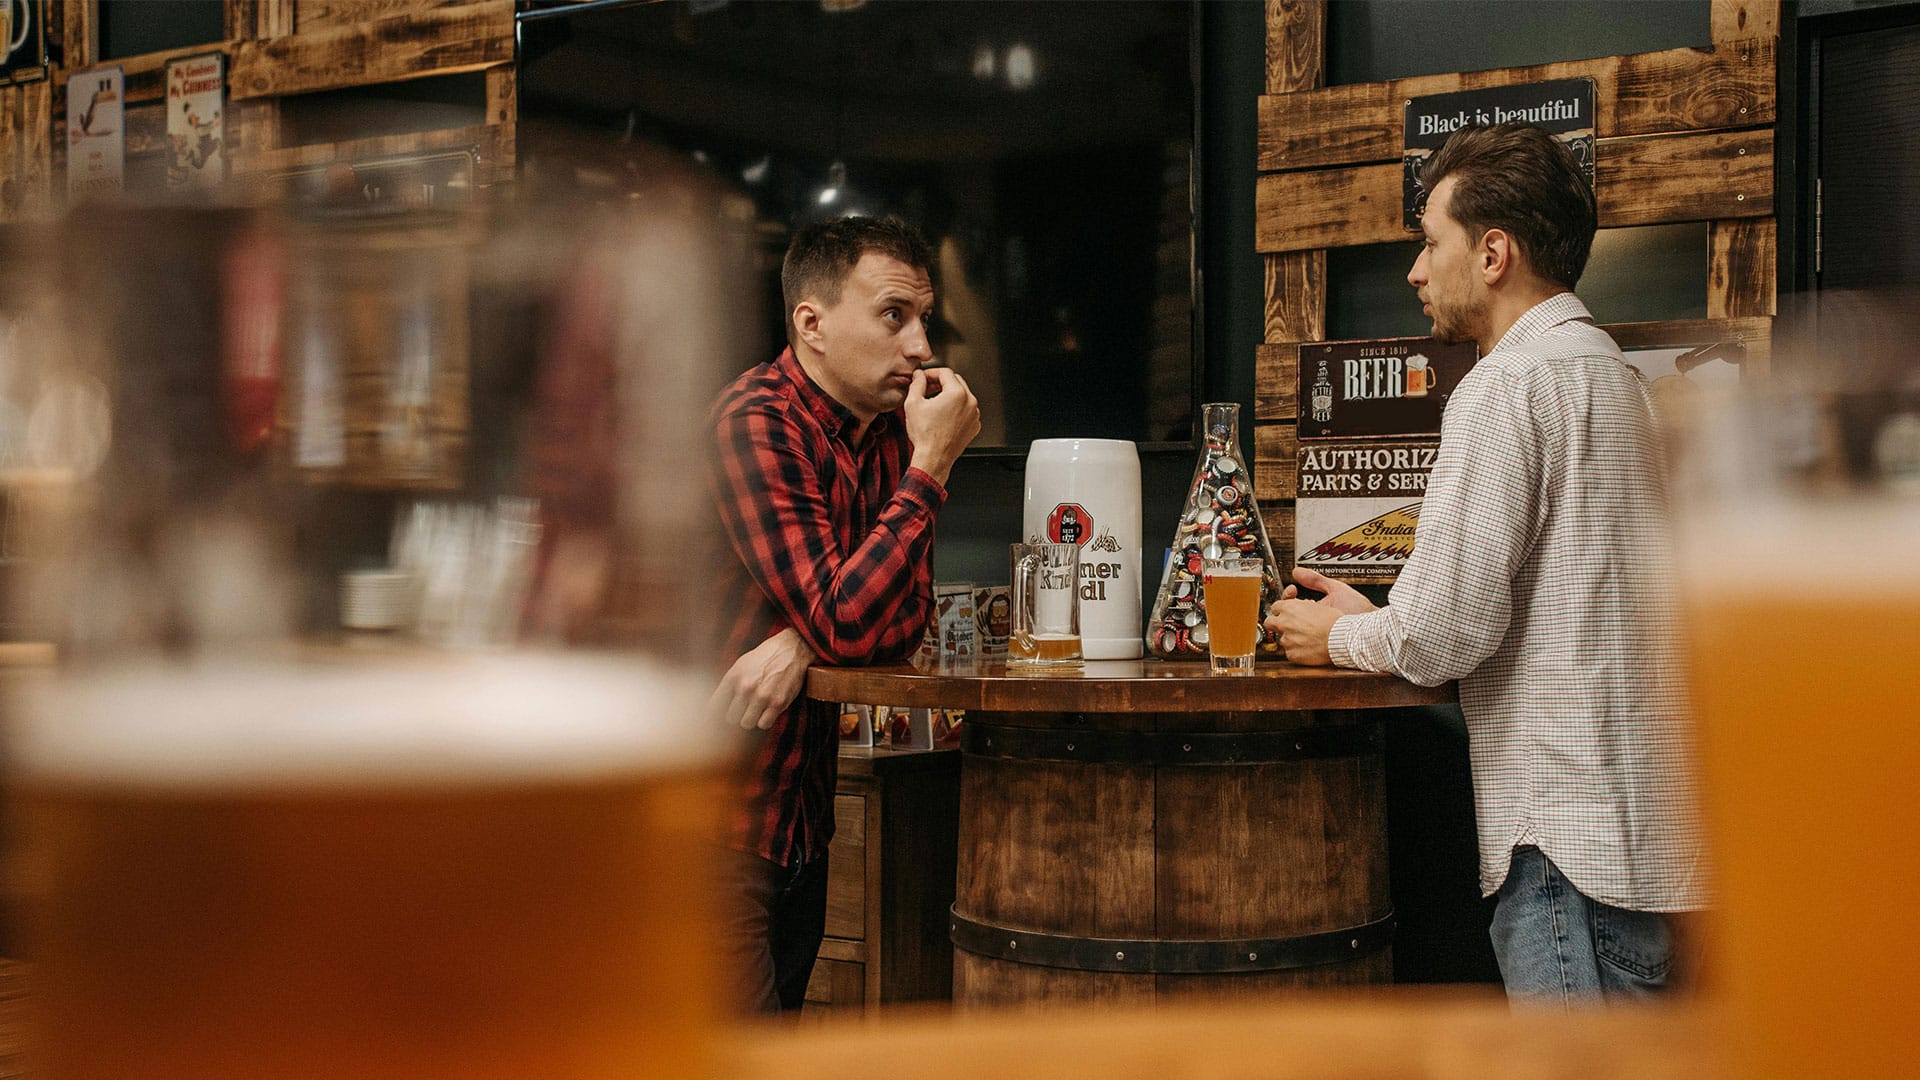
(1564, 107)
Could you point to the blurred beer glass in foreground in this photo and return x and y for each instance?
(1801, 512)
(248, 845)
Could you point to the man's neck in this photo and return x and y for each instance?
(1507, 305)
(810, 362)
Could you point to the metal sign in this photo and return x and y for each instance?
(1391, 387)
(1358, 506)
(96, 133)
(196, 122)
(1564, 107)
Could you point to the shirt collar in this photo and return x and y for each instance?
(1542, 317)
(836, 418)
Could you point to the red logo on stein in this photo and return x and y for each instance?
(1069, 524)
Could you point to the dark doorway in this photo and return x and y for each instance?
(1863, 86)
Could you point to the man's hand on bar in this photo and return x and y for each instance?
(761, 684)
(1303, 625)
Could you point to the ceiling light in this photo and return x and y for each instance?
(1019, 67)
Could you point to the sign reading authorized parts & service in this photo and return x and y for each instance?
(1564, 107)
(1369, 430)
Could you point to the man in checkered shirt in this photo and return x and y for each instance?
(829, 466)
(1536, 580)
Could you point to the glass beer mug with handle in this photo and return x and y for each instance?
(1046, 607)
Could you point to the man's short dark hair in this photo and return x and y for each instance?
(1518, 178)
(824, 253)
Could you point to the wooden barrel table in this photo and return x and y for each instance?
(1143, 828)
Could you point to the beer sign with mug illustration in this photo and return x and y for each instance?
(1392, 387)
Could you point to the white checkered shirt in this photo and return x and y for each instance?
(1540, 579)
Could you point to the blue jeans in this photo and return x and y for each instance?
(1557, 947)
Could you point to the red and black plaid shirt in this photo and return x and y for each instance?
(830, 538)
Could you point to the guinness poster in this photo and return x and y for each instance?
(1564, 107)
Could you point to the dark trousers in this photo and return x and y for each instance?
(772, 927)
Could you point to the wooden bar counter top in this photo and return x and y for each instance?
(1143, 828)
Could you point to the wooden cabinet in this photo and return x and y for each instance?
(890, 877)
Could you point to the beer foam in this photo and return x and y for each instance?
(1853, 545)
(440, 721)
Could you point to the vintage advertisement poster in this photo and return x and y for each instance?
(1564, 107)
(1358, 505)
(96, 134)
(196, 122)
(1391, 387)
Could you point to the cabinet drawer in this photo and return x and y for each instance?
(847, 869)
(836, 986)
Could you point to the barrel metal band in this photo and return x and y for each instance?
(1163, 956)
(1169, 747)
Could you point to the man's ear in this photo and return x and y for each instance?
(806, 323)
(1496, 255)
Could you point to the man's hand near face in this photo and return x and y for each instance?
(942, 418)
(1304, 625)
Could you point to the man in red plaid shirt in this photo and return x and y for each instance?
(830, 463)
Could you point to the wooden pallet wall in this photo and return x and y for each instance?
(1681, 135)
(274, 48)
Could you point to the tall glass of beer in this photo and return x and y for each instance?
(1803, 611)
(1230, 590)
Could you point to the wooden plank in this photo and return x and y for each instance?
(253, 128)
(1675, 333)
(1641, 94)
(12, 190)
(1278, 517)
(441, 41)
(847, 869)
(274, 19)
(1296, 45)
(242, 19)
(1753, 332)
(1640, 181)
(310, 16)
(147, 73)
(1742, 261)
(1733, 20)
(491, 143)
(1276, 472)
(1276, 381)
(36, 148)
(1296, 284)
(146, 129)
(79, 34)
(1656, 180)
(503, 112)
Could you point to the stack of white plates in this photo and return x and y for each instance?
(376, 599)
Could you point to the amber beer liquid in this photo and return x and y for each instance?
(1044, 648)
(1811, 776)
(490, 870)
(1231, 590)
